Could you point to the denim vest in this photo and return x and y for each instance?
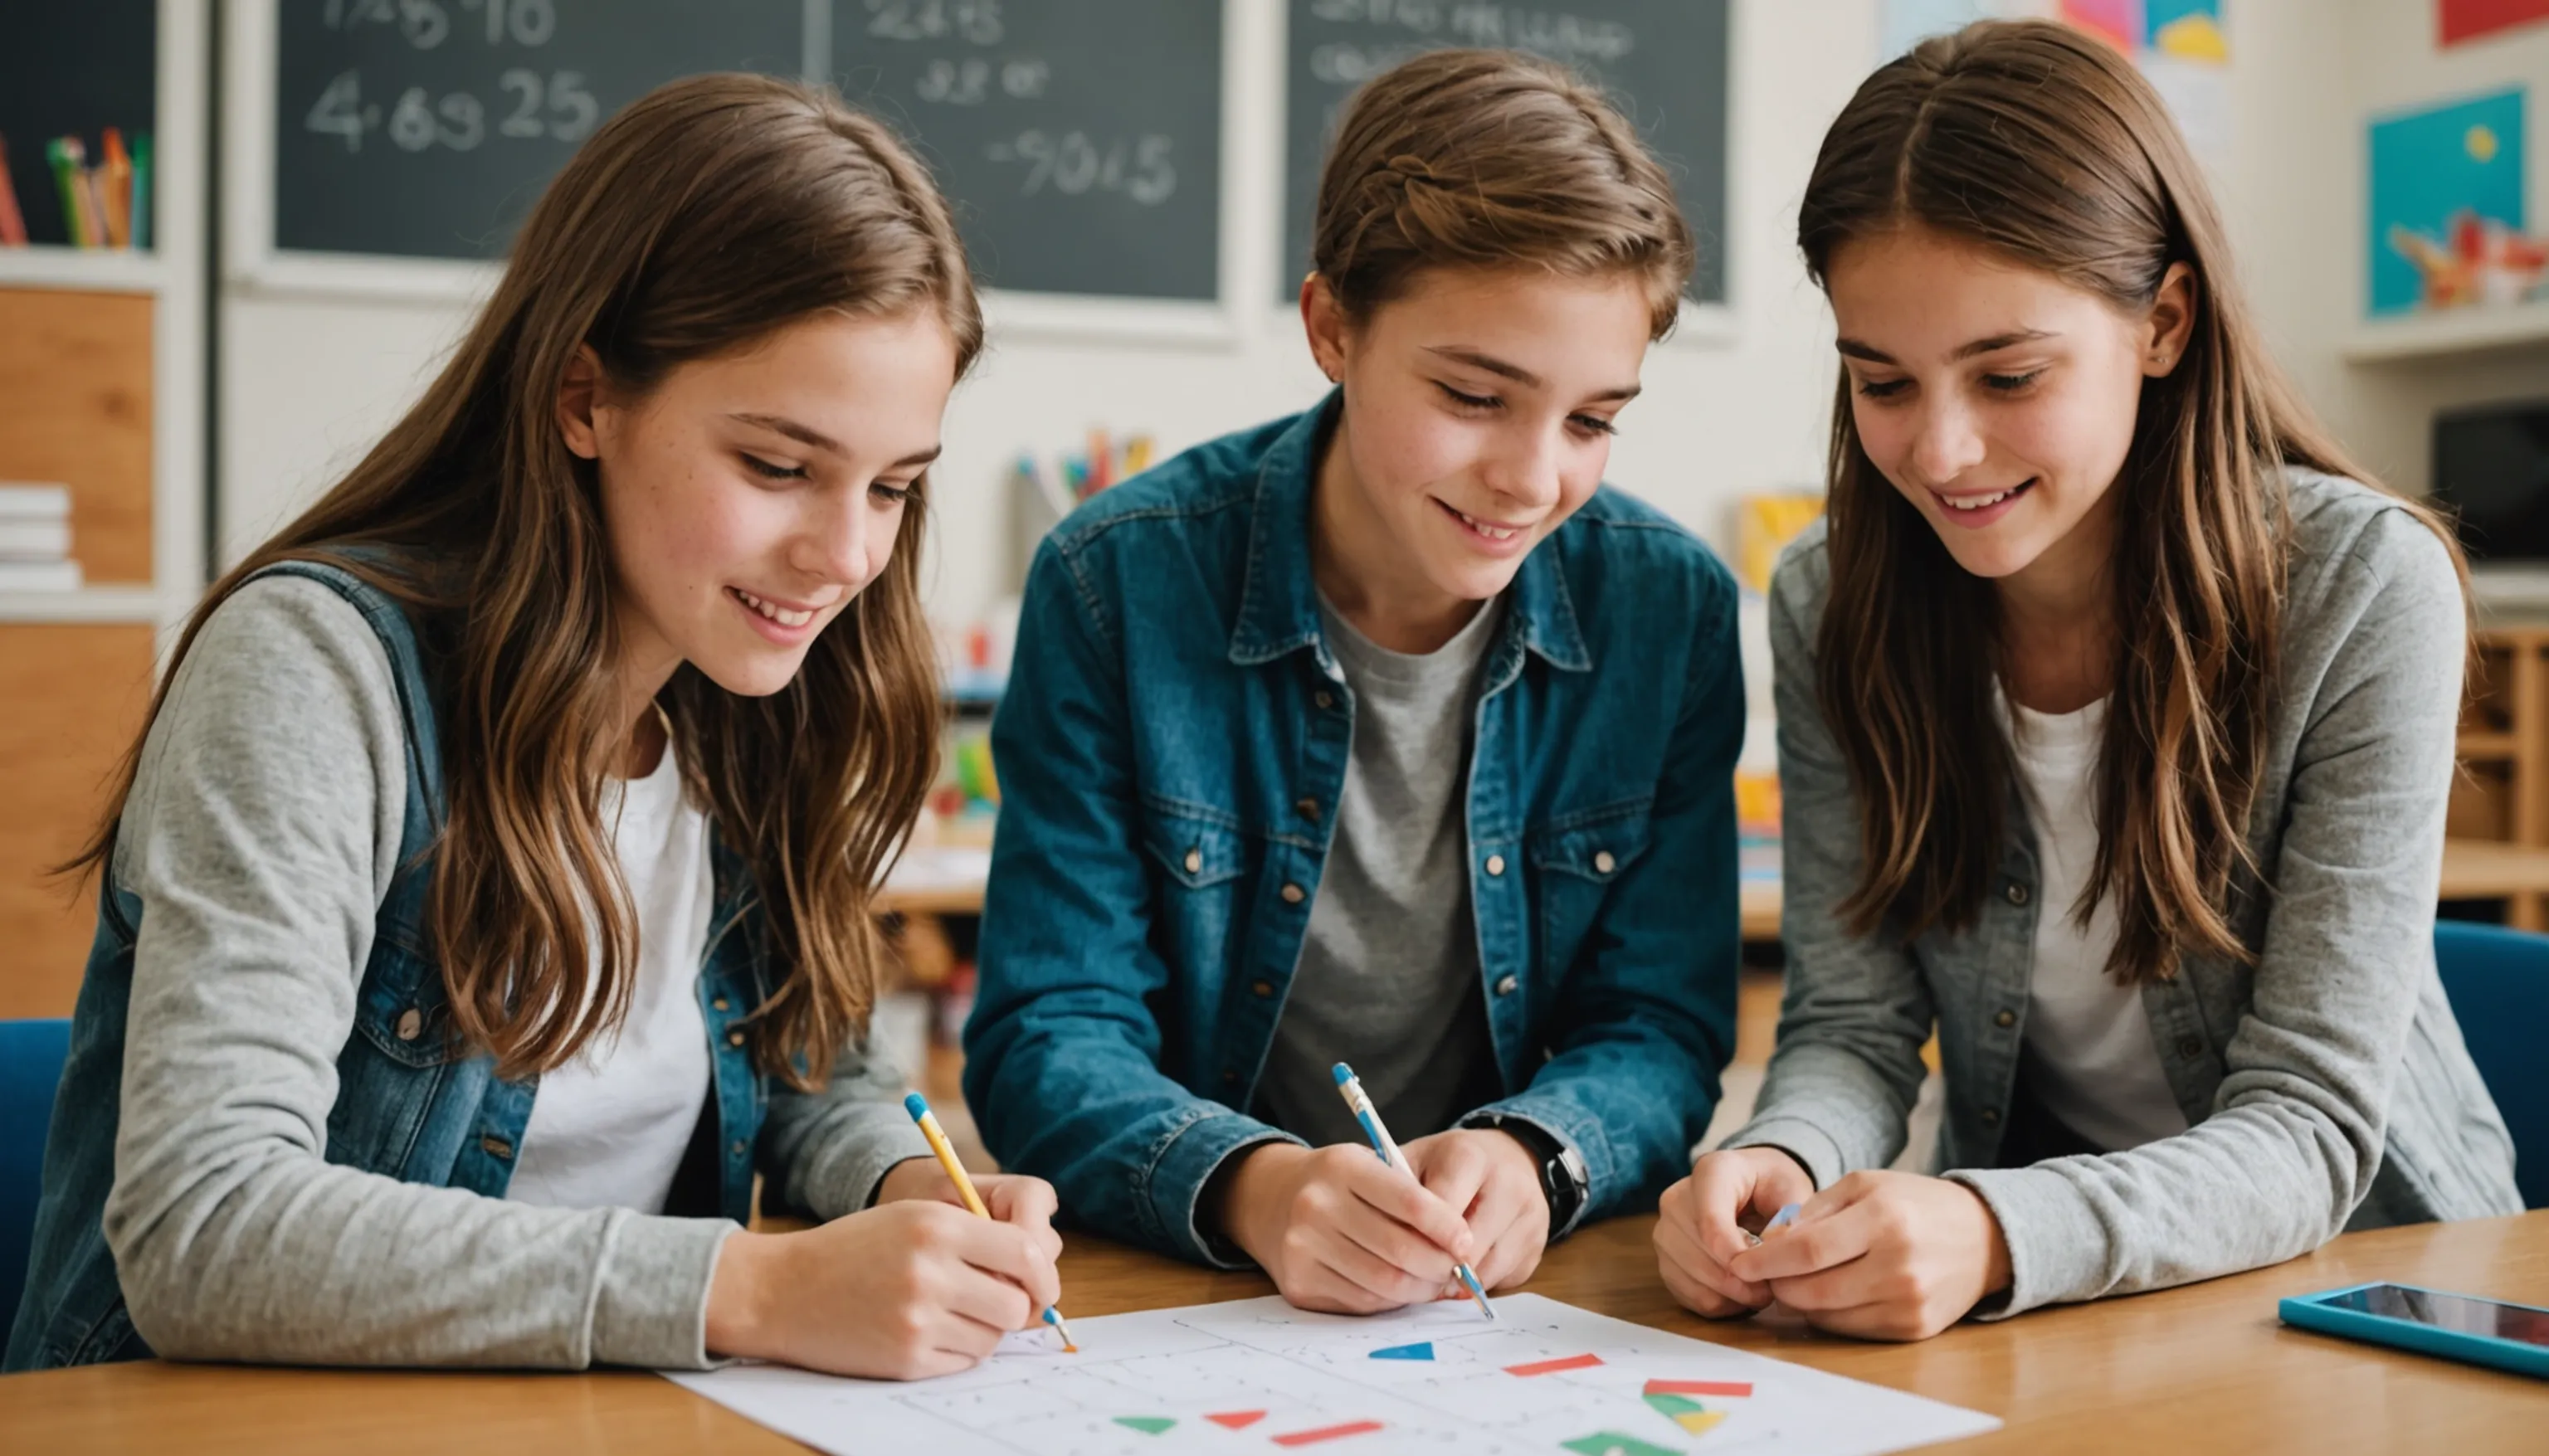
(411, 1104)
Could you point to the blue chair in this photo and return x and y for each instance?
(2498, 980)
(31, 1066)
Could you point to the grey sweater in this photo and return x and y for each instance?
(260, 837)
(2326, 1087)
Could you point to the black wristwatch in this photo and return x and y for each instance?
(1563, 1176)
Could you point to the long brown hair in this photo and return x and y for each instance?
(707, 214)
(2047, 148)
(1492, 160)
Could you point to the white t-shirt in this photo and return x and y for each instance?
(2094, 1064)
(609, 1129)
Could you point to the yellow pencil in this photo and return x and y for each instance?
(918, 1107)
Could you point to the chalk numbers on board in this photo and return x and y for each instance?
(977, 22)
(1073, 163)
(555, 106)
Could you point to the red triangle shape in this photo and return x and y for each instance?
(1236, 1420)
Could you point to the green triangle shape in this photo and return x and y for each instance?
(1612, 1443)
(1675, 1405)
(1149, 1425)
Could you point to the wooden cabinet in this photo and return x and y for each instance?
(76, 694)
(102, 359)
(2503, 793)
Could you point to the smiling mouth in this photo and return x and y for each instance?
(1490, 531)
(779, 614)
(1984, 503)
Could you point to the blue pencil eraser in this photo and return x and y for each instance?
(1345, 1073)
(916, 1105)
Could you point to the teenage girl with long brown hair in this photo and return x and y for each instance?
(2115, 719)
(487, 900)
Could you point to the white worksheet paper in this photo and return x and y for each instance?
(1260, 1376)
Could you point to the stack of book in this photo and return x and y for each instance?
(36, 539)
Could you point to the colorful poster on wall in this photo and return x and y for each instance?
(2469, 20)
(2120, 22)
(2447, 214)
(2180, 45)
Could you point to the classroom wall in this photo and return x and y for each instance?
(2311, 77)
(306, 383)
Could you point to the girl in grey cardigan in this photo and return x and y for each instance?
(490, 895)
(2116, 722)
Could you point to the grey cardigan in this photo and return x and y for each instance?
(2327, 1088)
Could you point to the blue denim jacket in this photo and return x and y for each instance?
(1171, 746)
(407, 1106)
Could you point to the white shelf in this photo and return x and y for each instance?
(2453, 331)
(88, 605)
(104, 270)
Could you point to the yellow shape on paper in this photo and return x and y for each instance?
(2482, 142)
(2194, 37)
(1699, 1422)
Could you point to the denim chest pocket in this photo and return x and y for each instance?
(1576, 860)
(1203, 858)
(401, 1013)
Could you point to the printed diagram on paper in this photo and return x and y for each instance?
(1260, 1376)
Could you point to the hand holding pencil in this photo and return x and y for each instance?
(915, 1285)
(963, 1183)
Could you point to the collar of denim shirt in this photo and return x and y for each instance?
(1278, 609)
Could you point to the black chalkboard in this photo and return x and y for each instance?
(427, 127)
(72, 70)
(1662, 61)
(1079, 138)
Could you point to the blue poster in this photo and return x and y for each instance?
(2440, 177)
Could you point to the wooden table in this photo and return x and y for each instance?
(2473, 869)
(2205, 1368)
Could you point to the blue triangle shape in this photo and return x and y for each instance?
(1424, 1351)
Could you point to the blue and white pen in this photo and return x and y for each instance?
(1778, 1221)
(1382, 1144)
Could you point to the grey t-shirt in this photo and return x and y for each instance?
(1388, 978)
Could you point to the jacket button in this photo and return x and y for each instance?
(1495, 865)
(1307, 809)
(1505, 986)
(1293, 895)
(1991, 1117)
(740, 1147)
(1324, 698)
(2190, 1046)
(1603, 863)
(2006, 1019)
(1263, 989)
(718, 1004)
(1229, 1077)
(2017, 893)
(734, 1038)
(411, 1024)
(496, 1147)
(1194, 861)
